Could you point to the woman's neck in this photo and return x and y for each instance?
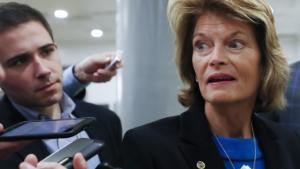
(229, 120)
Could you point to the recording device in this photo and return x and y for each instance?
(64, 156)
(115, 60)
(45, 129)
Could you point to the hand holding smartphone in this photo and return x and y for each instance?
(45, 129)
(115, 60)
(64, 156)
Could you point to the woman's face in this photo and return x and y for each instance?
(226, 59)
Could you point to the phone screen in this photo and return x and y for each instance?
(43, 127)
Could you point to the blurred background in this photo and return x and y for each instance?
(145, 88)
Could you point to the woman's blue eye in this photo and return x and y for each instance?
(236, 45)
(201, 45)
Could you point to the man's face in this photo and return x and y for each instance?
(30, 61)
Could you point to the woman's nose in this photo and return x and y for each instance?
(218, 57)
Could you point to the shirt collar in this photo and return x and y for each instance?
(67, 105)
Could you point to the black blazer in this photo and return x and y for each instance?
(180, 142)
(290, 116)
(107, 128)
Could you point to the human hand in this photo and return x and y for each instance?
(92, 68)
(9, 147)
(31, 162)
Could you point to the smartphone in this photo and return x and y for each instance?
(64, 156)
(115, 60)
(45, 129)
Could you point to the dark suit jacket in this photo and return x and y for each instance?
(291, 114)
(107, 128)
(180, 142)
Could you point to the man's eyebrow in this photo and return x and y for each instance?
(48, 45)
(26, 54)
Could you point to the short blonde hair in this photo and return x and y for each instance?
(183, 14)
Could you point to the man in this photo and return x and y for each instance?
(91, 69)
(33, 87)
(76, 78)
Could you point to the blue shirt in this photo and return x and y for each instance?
(71, 84)
(240, 152)
(67, 106)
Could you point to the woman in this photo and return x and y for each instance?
(230, 60)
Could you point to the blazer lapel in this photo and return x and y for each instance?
(10, 116)
(196, 142)
(195, 155)
(93, 129)
(273, 150)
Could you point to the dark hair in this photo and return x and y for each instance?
(13, 14)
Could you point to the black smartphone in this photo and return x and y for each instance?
(45, 129)
(64, 156)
